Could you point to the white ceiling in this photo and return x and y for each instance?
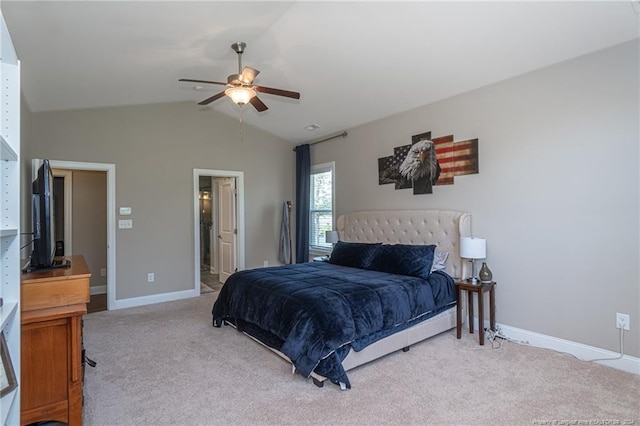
(352, 62)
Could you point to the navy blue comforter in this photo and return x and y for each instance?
(314, 312)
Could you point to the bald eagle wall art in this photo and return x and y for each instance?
(427, 162)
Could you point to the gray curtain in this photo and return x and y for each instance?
(284, 251)
(303, 183)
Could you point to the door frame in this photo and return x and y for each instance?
(111, 214)
(240, 251)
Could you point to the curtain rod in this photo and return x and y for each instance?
(343, 134)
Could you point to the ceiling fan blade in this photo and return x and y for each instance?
(279, 92)
(248, 74)
(202, 81)
(258, 104)
(211, 99)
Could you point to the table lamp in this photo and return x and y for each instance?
(331, 237)
(472, 249)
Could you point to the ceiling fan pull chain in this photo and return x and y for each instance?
(241, 127)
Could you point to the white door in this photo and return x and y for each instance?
(227, 227)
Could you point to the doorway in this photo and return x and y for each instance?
(81, 225)
(110, 240)
(218, 227)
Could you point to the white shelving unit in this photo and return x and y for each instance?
(10, 215)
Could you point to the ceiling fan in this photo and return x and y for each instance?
(240, 86)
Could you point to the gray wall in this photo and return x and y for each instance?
(556, 196)
(89, 213)
(155, 149)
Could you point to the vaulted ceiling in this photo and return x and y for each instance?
(352, 62)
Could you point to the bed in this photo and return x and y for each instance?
(378, 293)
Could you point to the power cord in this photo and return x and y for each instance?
(493, 335)
(497, 334)
(609, 359)
(27, 245)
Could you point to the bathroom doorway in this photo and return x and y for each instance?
(218, 227)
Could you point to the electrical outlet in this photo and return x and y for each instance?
(103, 272)
(125, 224)
(266, 263)
(622, 321)
(151, 277)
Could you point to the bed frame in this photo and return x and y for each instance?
(441, 227)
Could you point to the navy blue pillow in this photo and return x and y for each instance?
(355, 255)
(404, 259)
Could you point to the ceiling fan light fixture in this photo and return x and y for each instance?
(241, 89)
(240, 95)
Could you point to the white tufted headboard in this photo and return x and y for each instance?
(440, 227)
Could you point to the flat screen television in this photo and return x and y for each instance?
(44, 247)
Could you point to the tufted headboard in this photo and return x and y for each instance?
(440, 227)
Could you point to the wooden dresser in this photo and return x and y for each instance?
(52, 305)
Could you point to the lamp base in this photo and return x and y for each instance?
(473, 279)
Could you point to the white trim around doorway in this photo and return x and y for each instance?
(112, 303)
(196, 218)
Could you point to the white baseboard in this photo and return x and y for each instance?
(98, 289)
(154, 298)
(583, 352)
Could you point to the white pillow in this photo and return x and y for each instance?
(439, 261)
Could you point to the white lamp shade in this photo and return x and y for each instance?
(240, 95)
(473, 248)
(331, 236)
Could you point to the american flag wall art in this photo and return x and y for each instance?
(427, 162)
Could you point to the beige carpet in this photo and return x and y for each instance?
(166, 365)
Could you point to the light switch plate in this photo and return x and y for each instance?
(125, 211)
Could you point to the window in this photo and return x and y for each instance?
(321, 207)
